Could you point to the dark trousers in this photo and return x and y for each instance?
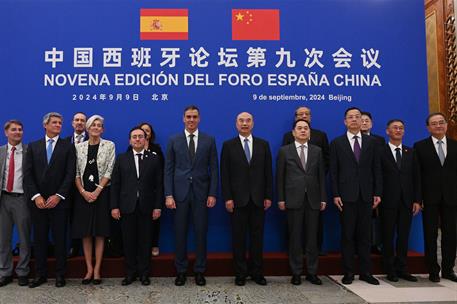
(432, 216)
(320, 233)
(199, 213)
(250, 217)
(395, 221)
(136, 237)
(43, 220)
(356, 230)
(155, 232)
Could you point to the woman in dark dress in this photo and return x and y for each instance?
(91, 216)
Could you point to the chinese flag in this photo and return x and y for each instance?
(255, 24)
(164, 24)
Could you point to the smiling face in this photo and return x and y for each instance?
(79, 123)
(244, 124)
(137, 140)
(53, 126)
(191, 120)
(395, 131)
(14, 134)
(95, 129)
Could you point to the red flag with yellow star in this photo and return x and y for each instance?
(255, 24)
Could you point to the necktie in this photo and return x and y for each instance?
(49, 149)
(398, 157)
(79, 138)
(140, 161)
(191, 147)
(357, 149)
(302, 156)
(441, 151)
(10, 182)
(247, 152)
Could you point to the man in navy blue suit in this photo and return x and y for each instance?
(190, 186)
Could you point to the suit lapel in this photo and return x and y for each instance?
(185, 147)
(432, 152)
(294, 153)
(390, 156)
(347, 148)
(240, 149)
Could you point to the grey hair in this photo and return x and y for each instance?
(48, 116)
(93, 118)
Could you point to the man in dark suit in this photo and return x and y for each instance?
(136, 197)
(399, 201)
(318, 138)
(301, 191)
(367, 125)
(247, 182)
(191, 186)
(357, 185)
(48, 179)
(437, 164)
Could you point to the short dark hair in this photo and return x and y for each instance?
(79, 113)
(395, 120)
(434, 114)
(136, 128)
(297, 121)
(191, 107)
(153, 133)
(367, 114)
(13, 121)
(350, 109)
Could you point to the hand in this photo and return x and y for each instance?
(52, 201)
(229, 205)
(416, 208)
(376, 201)
(282, 205)
(323, 205)
(211, 201)
(116, 214)
(89, 196)
(156, 214)
(266, 204)
(338, 203)
(40, 202)
(170, 202)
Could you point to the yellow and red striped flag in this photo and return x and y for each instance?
(164, 24)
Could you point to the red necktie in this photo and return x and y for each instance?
(9, 184)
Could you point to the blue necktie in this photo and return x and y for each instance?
(49, 149)
(247, 152)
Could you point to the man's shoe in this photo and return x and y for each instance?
(347, 279)
(180, 279)
(313, 279)
(392, 277)
(38, 282)
(450, 276)
(369, 279)
(128, 280)
(22, 280)
(240, 280)
(407, 277)
(145, 280)
(200, 279)
(5, 280)
(60, 281)
(296, 279)
(260, 280)
(434, 277)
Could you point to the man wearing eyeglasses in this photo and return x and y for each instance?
(437, 163)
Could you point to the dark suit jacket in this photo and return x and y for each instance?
(399, 185)
(57, 177)
(318, 138)
(242, 181)
(125, 185)
(180, 171)
(437, 182)
(294, 181)
(349, 177)
(379, 139)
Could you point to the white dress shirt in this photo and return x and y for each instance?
(249, 138)
(195, 138)
(352, 140)
(46, 138)
(394, 152)
(18, 176)
(137, 163)
(305, 150)
(444, 145)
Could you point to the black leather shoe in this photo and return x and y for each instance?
(240, 280)
(200, 279)
(369, 279)
(96, 281)
(37, 282)
(260, 280)
(347, 279)
(407, 277)
(296, 279)
(145, 280)
(22, 280)
(392, 277)
(128, 280)
(450, 276)
(5, 281)
(313, 279)
(60, 282)
(180, 279)
(86, 281)
(434, 277)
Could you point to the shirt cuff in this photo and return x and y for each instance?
(62, 197)
(35, 196)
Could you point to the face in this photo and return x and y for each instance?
(244, 124)
(367, 124)
(95, 129)
(395, 131)
(14, 134)
(147, 130)
(191, 120)
(437, 126)
(137, 140)
(53, 127)
(353, 120)
(79, 123)
(301, 131)
(303, 113)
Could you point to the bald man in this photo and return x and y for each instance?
(247, 182)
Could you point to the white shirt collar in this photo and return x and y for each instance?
(298, 145)
(351, 136)
(188, 133)
(242, 138)
(135, 153)
(393, 147)
(435, 140)
(56, 138)
(18, 147)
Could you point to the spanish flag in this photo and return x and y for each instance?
(255, 24)
(164, 24)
